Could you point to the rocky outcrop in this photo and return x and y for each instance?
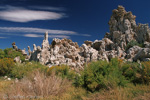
(122, 27)
(143, 33)
(59, 52)
(123, 30)
(132, 52)
(17, 59)
(142, 54)
(66, 51)
(14, 46)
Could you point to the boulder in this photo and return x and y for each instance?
(147, 44)
(24, 52)
(132, 52)
(17, 59)
(142, 54)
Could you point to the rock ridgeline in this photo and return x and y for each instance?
(123, 30)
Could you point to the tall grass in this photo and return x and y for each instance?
(132, 92)
(38, 85)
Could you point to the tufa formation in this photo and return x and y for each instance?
(123, 31)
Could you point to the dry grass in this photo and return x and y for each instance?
(37, 85)
(4, 85)
(115, 94)
(54, 88)
(72, 93)
(139, 92)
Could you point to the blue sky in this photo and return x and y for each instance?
(26, 21)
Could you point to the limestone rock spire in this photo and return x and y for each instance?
(46, 36)
(29, 51)
(45, 44)
(34, 48)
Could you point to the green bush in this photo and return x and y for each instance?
(114, 74)
(94, 75)
(6, 66)
(21, 70)
(100, 74)
(129, 70)
(145, 72)
(10, 53)
(137, 73)
(2, 54)
(62, 71)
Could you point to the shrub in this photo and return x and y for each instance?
(62, 71)
(100, 74)
(137, 73)
(10, 53)
(2, 54)
(17, 70)
(129, 70)
(145, 72)
(21, 70)
(6, 66)
(114, 74)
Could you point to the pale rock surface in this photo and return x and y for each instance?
(17, 59)
(24, 52)
(147, 44)
(132, 52)
(142, 54)
(29, 51)
(143, 33)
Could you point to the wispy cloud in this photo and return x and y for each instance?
(14, 34)
(20, 14)
(32, 35)
(35, 30)
(48, 8)
(50, 36)
(59, 36)
(3, 37)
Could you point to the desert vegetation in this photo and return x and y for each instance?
(100, 80)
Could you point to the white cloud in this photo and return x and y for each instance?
(48, 8)
(19, 14)
(32, 35)
(35, 30)
(50, 36)
(3, 37)
(85, 35)
(58, 36)
(10, 34)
